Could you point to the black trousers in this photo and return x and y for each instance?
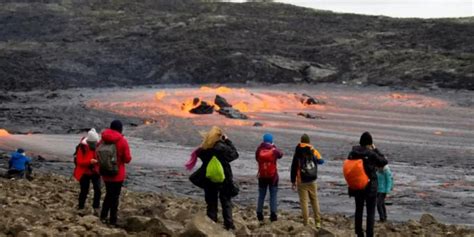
(369, 199)
(111, 201)
(85, 184)
(211, 196)
(381, 206)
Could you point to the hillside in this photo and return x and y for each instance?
(63, 44)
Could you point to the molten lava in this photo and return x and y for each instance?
(4, 133)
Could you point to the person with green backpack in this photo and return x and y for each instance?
(304, 172)
(215, 175)
(113, 152)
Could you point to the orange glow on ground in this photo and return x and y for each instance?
(4, 133)
(160, 95)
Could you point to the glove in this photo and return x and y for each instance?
(320, 161)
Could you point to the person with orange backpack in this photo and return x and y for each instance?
(304, 172)
(360, 172)
(267, 155)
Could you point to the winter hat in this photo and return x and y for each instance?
(117, 126)
(305, 138)
(268, 138)
(20, 150)
(92, 136)
(365, 139)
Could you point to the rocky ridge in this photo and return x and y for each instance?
(46, 207)
(65, 44)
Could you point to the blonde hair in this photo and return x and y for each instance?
(210, 138)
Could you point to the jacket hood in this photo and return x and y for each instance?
(303, 145)
(265, 145)
(111, 136)
(360, 151)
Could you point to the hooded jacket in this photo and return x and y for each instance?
(83, 161)
(385, 180)
(18, 161)
(123, 153)
(277, 153)
(225, 152)
(295, 164)
(371, 159)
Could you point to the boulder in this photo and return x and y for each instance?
(309, 100)
(159, 226)
(428, 219)
(203, 108)
(232, 113)
(89, 221)
(324, 232)
(221, 102)
(318, 73)
(136, 223)
(202, 226)
(19, 224)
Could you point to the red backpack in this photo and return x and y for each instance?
(267, 166)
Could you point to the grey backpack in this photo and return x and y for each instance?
(107, 154)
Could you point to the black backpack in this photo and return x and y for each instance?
(107, 155)
(309, 169)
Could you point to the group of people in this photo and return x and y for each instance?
(105, 159)
(303, 173)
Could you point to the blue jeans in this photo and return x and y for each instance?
(263, 185)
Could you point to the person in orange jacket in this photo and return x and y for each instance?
(87, 169)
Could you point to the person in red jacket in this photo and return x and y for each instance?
(113, 184)
(87, 169)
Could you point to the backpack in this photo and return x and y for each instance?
(308, 168)
(267, 166)
(354, 174)
(215, 171)
(107, 155)
(83, 149)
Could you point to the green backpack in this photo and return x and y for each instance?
(107, 154)
(215, 171)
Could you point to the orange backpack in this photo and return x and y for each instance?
(354, 174)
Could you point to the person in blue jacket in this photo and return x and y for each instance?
(385, 186)
(19, 165)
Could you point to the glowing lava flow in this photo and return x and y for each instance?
(4, 133)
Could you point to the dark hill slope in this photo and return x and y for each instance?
(62, 44)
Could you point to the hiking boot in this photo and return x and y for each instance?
(318, 225)
(96, 212)
(260, 216)
(273, 217)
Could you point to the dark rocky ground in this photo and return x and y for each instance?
(62, 44)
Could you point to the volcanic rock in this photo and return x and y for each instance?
(309, 100)
(159, 226)
(232, 113)
(203, 108)
(428, 219)
(258, 124)
(201, 225)
(221, 102)
(310, 116)
(136, 223)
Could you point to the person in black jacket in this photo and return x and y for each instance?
(372, 158)
(216, 143)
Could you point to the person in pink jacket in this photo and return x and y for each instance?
(113, 184)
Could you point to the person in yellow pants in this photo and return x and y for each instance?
(304, 172)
